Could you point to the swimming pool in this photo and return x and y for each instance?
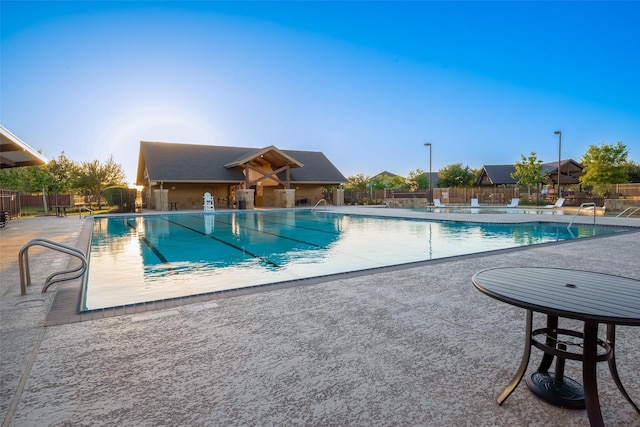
(147, 258)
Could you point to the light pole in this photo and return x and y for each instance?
(430, 157)
(559, 133)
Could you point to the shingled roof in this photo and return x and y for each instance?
(171, 162)
(501, 174)
(497, 175)
(570, 171)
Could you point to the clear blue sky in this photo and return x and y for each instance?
(367, 83)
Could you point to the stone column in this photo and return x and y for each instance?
(162, 199)
(285, 198)
(247, 196)
(338, 197)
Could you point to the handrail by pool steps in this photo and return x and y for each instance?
(593, 205)
(635, 209)
(84, 208)
(23, 260)
(319, 201)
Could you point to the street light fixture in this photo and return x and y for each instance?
(559, 133)
(430, 157)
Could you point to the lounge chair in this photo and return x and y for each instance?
(474, 203)
(514, 202)
(208, 202)
(437, 204)
(558, 203)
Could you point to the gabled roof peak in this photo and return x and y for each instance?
(270, 154)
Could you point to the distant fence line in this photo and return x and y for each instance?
(490, 195)
(452, 195)
(10, 202)
(13, 201)
(36, 201)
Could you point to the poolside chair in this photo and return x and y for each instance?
(558, 203)
(514, 202)
(208, 202)
(437, 204)
(474, 203)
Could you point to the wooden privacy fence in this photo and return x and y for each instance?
(623, 191)
(10, 202)
(36, 201)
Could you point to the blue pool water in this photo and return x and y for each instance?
(147, 258)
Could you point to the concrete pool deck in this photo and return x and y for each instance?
(412, 346)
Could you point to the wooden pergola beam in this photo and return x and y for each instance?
(269, 175)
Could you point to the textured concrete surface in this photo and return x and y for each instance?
(419, 346)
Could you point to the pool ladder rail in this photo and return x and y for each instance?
(631, 209)
(84, 208)
(25, 274)
(588, 204)
(319, 201)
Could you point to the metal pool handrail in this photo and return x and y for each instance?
(23, 260)
(319, 201)
(578, 211)
(84, 208)
(635, 209)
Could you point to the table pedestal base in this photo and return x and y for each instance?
(567, 393)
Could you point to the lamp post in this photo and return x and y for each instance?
(559, 133)
(430, 157)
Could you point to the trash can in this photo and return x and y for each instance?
(242, 204)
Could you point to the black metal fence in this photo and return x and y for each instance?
(453, 195)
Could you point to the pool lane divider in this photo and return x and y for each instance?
(150, 245)
(304, 242)
(318, 230)
(224, 242)
(280, 235)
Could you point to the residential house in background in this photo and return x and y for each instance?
(570, 171)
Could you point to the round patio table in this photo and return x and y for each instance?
(593, 298)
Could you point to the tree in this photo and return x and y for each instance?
(380, 182)
(56, 176)
(358, 182)
(529, 171)
(27, 179)
(456, 175)
(418, 180)
(633, 171)
(95, 177)
(604, 165)
(12, 179)
(63, 172)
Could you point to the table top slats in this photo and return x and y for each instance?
(568, 293)
(599, 296)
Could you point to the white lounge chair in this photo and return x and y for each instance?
(558, 203)
(474, 203)
(514, 203)
(437, 204)
(208, 202)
